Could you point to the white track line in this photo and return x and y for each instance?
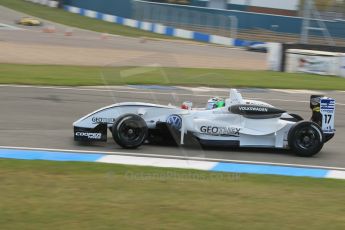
(173, 157)
(9, 27)
(135, 91)
(129, 90)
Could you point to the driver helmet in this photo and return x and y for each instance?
(215, 102)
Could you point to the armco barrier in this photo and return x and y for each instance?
(122, 8)
(160, 28)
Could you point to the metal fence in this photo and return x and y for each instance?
(329, 9)
(327, 27)
(185, 18)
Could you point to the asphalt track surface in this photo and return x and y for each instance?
(42, 117)
(30, 45)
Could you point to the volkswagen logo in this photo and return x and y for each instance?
(175, 121)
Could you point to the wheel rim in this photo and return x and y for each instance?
(306, 138)
(130, 131)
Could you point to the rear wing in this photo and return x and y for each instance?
(323, 112)
(327, 110)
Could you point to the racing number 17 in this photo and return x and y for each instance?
(328, 118)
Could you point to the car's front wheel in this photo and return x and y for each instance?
(130, 131)
(305, 138)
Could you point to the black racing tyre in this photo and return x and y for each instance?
(305, 138)
(130, 131)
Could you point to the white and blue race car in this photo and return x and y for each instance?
(230, 122)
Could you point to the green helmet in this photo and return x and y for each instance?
(215, 102)
(220, 104)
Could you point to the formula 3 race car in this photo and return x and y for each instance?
(28, 21)
(229, 122)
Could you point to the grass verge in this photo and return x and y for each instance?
(74, 20)
(86, 76)
(51, 195)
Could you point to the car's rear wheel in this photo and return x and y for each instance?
(305, 138)
(130, 131)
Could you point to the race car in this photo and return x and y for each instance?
(229, 122)
(257, 47)
(27, 21)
